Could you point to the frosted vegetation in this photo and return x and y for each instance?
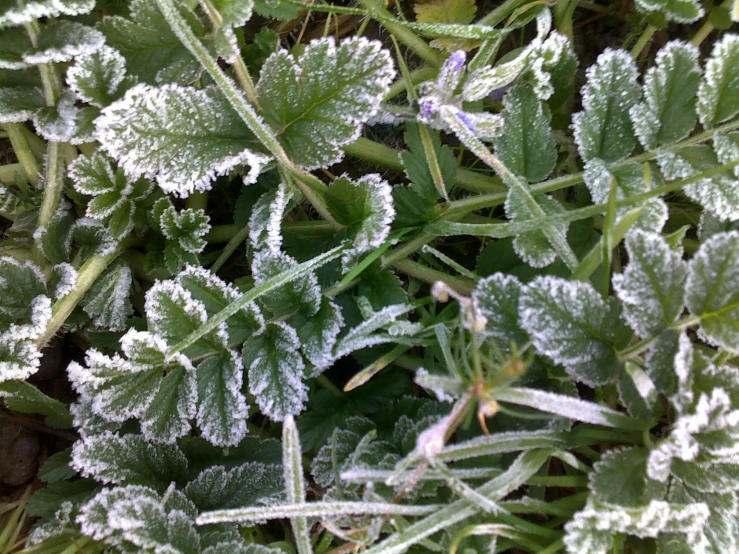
(509, 322)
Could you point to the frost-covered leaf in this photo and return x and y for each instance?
(238, 547)
(319, 102)
(265, 223)
(727, 149)
(234, 13)
(15, 44)
(23, 397)
(107, 302)
(223, 410)
(153, 53)
(25, 11)
(60, 41)
(184, 232)
(91, 237)
(445, 11)
(148, 125)
(619, 477)
(592, 529)
(718, 194)
(58, 123)
(58, 523)
(20, 283)
(249, 484)
(161, 393)
(718, 96)
(215, 294)
(534, 247)
(137, 519)
(99, 77)
(652, 288)
(667, 113)
(712, 289)
(301, 294)
(365, 207)
(366, 333)
(56, 468)
(129, 460)
(488, 79)
(603, 129)
(526, 145)
(318, 333)
(19, 104)
(681, 11)
(630, 181)
(496, 299)
(570, 322)
(276, 371)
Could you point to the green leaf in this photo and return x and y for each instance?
(708, 477)
(44, 502)
(99, 77)
(139, 520)
(365, 207)
(319, 102)
(129, 460)
(266, 42)
(19, 357)
(727, 148)
(318, 333)
(718, 194)
(276, 371)
(153, 53)
(173, 406)
(215, 294)
(603, 129)
(630, 181)
(445, 11)
(278, 9)
(19, 104)
(652, 288)
(667, 113)
(265, 223)
(526, 145)
(303, 294)
(249, 484)
(234, 14)
(620, 478)
(20, 283)
(496, 298)
(26, 11)
(712, 289)
(534, 247)
(107, 302)
(659, 362)
(143, 129)
(25, 398)
(223, 411)
(61, 41)
(57, 467)
(184, 232)
(238, 547)
(15, 44)
(681, 11)
(571, 323)
(718, 96)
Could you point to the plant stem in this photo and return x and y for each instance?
(414, 269)
(707, 26)
(88, 274)
(416, 77)
(644, 38)
(27, 162)
(230, 247)
(52, 192)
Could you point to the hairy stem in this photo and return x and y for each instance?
(27, 162)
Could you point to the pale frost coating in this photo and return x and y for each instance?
(630, 181)
(223, 411)
(96, 75)
(681, 11)
(318, 334)
(265, 223)
(603, 129)
(26, 11)
(319, 102)
(66, 279)
(19, 356)
(169, 133)
(719, 194)
(304, 293)
(592, 528)
(667, 113)
(19, 104)
(60, 524)
(58, 123)
(275, 369)
(727, 149)
(718, 96)
(652, 287)
(107, 302)
(713, 289)
(570, 322)
(60, 41)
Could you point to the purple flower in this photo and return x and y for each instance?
(455, 62)
(427, 109)
(468, 120)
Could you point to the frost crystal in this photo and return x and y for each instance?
(718, 96)
(97, 76)
(60, 41)
(19, 13)
(183, 136)
(265, 223)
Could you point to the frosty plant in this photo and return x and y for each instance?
(403, 290)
